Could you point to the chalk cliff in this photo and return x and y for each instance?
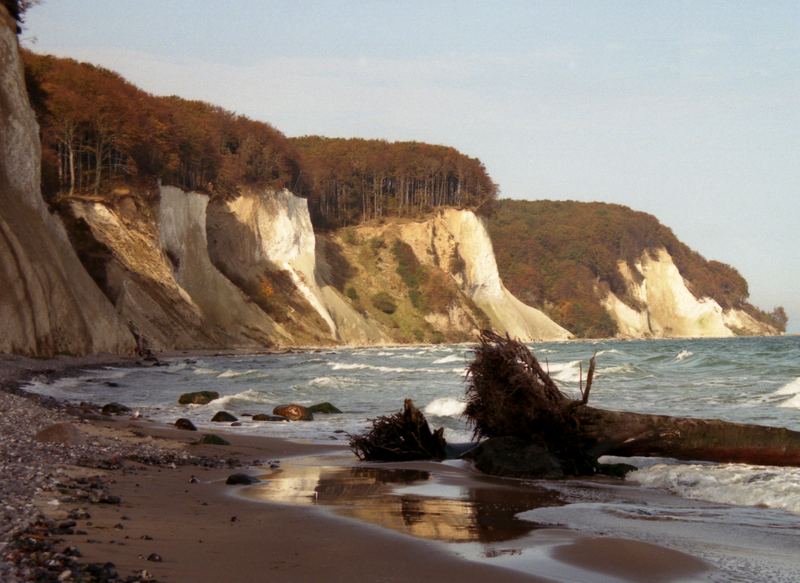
(48, 303)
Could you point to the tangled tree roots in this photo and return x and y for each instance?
(403, 436)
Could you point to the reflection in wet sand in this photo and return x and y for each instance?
(408, 500)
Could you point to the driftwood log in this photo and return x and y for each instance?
(510, 395)
(404, 436)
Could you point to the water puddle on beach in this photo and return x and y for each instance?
(431, 501)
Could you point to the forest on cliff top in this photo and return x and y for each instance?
(98, 131)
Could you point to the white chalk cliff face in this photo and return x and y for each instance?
(48, 303)
(461, 235)
(668, 307)
(255, 234)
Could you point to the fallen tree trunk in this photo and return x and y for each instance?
(510, 395)
(636, 434)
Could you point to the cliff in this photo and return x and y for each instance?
(48, 303)
(606, 270)
(248, 270)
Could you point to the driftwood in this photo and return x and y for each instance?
(510, 395)
(404, 436)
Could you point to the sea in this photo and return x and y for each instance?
(744, 520)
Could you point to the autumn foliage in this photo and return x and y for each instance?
(98, 129)
(555, 254)
(356, 180)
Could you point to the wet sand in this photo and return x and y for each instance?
(203, 532)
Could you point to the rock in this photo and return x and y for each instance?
(65, 433)
(154, 557)
(210, 439)
(264, 417)
(198, 398)
(115, 409)
(184, 423)
(241, 479)
(294, 412)
(615, 470)
(325, 407)
(223, 417)
(516, 458)
(236, 424)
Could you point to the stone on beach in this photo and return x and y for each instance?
(65, 433)
(241, 479)
(223, 417)
(294, 412)
(211, 439)
(115, 409)
(184, 423)
(198, 398)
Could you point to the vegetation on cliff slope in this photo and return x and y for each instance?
(99, 130)
(355, 180)
(555, 254)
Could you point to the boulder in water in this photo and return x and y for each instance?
(223, 417)
(325, 407)
(294, 412)
(515, 458)
(265, 417)
(198, 398)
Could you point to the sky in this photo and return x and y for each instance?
(687, 110)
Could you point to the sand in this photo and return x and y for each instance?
(201, 531)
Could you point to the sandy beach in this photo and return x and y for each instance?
(146, 498)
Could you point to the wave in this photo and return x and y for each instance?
(790, 388)
(445, 407)
(232, 374)
(621, 369)
(738, 484)
(202, 370)
(447, 359)
(683, 355)
(566, 372)
(332, 381)
(245, 397)
(358, 366)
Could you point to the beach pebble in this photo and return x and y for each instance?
(198, 398)
(154, 557)
(265, 417)
(115, 409)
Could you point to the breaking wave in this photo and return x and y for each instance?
(445, 407)
(739, 484)
(451, 358)
(683, 355)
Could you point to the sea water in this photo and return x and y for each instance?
(744, 519)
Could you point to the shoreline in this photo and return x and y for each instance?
(150, 466)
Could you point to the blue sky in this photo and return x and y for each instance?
(687, 110)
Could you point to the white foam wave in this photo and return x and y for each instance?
(250, 396)
(447, 359)
(623, 368)
(232, 374)
(790, 388)
(566, 372)
(358, 366)
(331, 381)
(738, 484)
(202, 370)
(607, 351)
(683, 355)
(445, 407)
